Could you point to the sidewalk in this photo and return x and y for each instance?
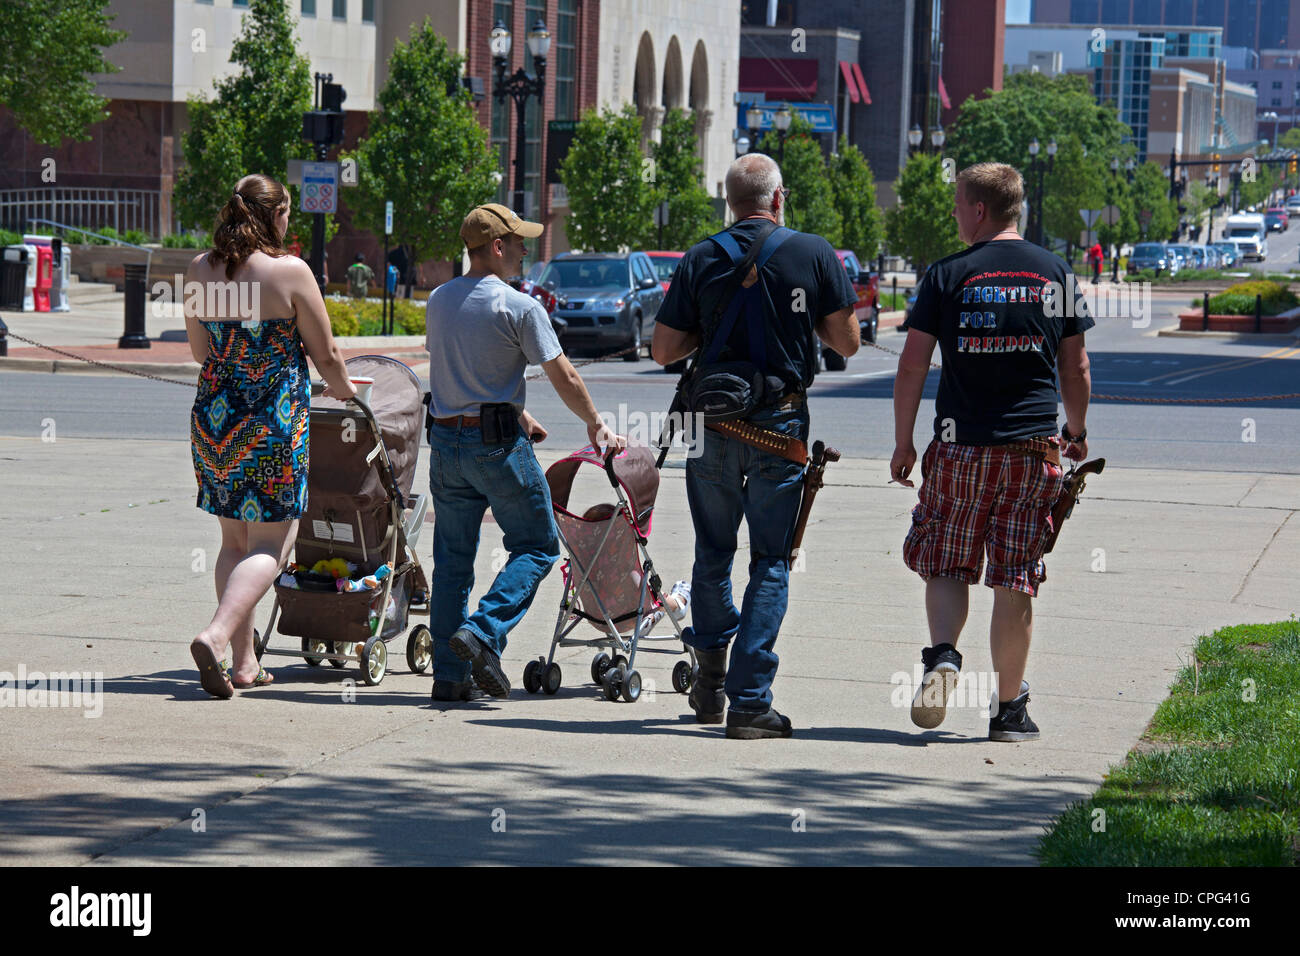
(108, 573)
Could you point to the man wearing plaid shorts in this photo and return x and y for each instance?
(1007, 315)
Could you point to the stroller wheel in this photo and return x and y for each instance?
(533, 677)
(619, 661)
(374, 661)
(599, 664)
(419, 649)
(611, 682)
(341, 647)
(310, 646)
(259, 643)
(631, 686)
(683, 677)
(551, 682)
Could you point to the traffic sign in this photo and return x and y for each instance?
(388, 218)
(1089, 216)
(1111, 215)
(661, 214)
(320, 183)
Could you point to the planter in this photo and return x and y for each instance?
(1269, 324)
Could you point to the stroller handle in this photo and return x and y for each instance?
(609, 465)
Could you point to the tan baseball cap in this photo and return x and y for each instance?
(492, 221)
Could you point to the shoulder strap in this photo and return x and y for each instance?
(768, 238)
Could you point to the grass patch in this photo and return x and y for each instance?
(1215, 780)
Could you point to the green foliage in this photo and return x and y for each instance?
(677, 180)
(811, 206)
(1290, 139)
(611, 197)
(1239, 299)
(1150, 192)
(188, 240)
(854, 189)
(254, 124)
(424, 151)
(350, 316)
(1217, 782)
(50, 51)
(921, 226)
(8, 238)
(1075, 182)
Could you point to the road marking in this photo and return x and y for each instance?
(1285, 353)
(1224, 366)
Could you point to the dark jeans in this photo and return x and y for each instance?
(727, 481)
(466, 477)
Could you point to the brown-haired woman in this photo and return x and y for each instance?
(260, 307)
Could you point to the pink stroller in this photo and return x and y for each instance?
(609, 579)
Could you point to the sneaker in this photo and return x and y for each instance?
(1012, 722)
(942, 669)
(485, 662)
(742, 726)
(682, 591)
(444, 690)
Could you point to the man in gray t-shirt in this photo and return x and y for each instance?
(482, 336)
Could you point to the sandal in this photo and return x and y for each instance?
(211, 674)
(263, 677)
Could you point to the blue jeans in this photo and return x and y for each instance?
(727, 481)
(466, 477)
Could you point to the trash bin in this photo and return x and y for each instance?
(13, 277)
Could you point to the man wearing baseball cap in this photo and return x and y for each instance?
(482, 336)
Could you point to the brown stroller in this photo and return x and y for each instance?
(360, 509)
(609, 579)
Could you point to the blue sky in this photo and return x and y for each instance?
(1017, 11)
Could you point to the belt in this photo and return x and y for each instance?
(1042, 448)
(774, 443)
(459, 421)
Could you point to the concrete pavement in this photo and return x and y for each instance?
(110, 570)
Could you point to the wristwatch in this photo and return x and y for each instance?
(1072, 439)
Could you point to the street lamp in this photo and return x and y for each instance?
(1272, 115)
(1040, 168)
(937, 137)
(742, 142)
(781, 120)
(753, 122)
(519, 86)
(1130, 167)
(914, 136)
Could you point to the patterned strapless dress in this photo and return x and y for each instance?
(248, 428)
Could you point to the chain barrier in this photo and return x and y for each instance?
(1096, 396)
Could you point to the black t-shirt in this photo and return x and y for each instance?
(802, 282)
(999, 310)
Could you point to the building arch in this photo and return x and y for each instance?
(699, 99)
(673, 87)
(645, 89)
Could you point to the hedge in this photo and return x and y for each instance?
(360, 317)
(1239, 299)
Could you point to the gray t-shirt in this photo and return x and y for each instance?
(481, 336)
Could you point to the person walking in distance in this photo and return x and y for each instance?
(1007, 317)
(360, 276)
(482, 336)
(801, 292)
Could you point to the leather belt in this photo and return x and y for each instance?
(774, 443)
(1042, 448)
(459, 421)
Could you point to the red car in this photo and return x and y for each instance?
(867, 285)
(665, 264)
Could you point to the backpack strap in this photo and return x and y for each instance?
(760, 250)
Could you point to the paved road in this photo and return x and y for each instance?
(852, 409)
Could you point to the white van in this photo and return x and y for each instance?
(1248, 230)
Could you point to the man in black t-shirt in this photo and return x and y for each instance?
(1006, 315)
(802, 293)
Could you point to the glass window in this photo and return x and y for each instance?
(566, 31)
(240, 3)
(367, 11)
(309, 8)
(533, 9)
(503, 10)
(340, 9)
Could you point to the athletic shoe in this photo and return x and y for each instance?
(681, 590)
(486, 665)
(942, 669)
(1012, 722)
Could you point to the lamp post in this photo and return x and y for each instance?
(1272, 115)
(753, 121)
(914, 137)
(1114, 258)
(519, 86)
(1040, 168)
(937, 138)
(781, 120)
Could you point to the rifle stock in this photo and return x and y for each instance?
(1070, 492)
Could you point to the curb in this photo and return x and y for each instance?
(1245, 338)
(70, 366)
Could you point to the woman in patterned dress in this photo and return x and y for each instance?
(259, 308)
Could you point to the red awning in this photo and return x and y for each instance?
(779, 79)
(943, 96)
(850, 83)
(862, 84)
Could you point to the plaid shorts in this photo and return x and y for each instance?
(976, 498)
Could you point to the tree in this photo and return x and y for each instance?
(854, 190)
(1290, 139)
(610, 183)
(254, 124)
(921, 226)
(691, 216)
(1120, 195)
(1075, 182)
(424, 151)
(1151, 195)
(50, 50)
(811, 204)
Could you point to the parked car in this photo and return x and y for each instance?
(1153, 256)
(1212, 258)
(1293, 206)
(606, 300)
(1276, 219)
(529, 284)
(866, 284)
(1227, 254)
(665, 264)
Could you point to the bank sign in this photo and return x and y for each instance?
(820, 115)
